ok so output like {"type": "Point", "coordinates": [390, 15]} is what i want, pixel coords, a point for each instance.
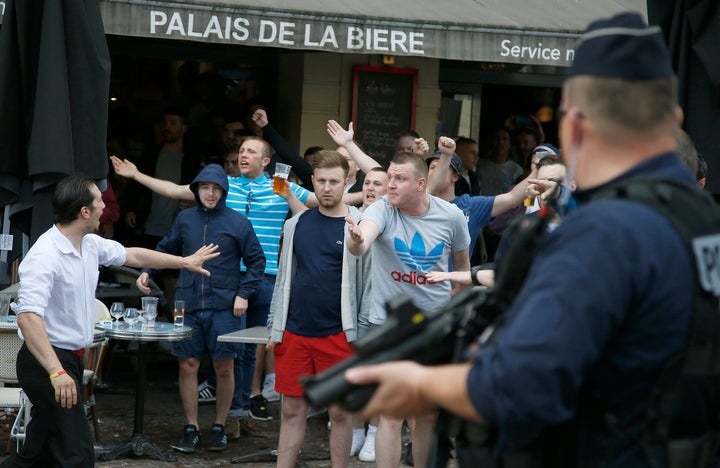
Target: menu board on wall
{"type": "Point", "coordinates": [383, 106]}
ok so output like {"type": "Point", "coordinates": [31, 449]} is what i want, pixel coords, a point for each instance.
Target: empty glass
{"type": "Point", "coordinates": [117, 309]}
{"type": "Point", "coordinates": [149, 305]}
{"type": "Point", "coordinates": [131, 317]}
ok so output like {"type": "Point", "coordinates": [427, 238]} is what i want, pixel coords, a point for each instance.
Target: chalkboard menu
{"type": "Point", "coordinates": [383, 106]}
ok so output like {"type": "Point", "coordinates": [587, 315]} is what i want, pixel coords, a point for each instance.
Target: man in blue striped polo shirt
{"type": "Point", "coordinates": [251, 195]}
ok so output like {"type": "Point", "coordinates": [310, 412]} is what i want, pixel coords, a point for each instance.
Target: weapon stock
{"type": "Point", "coordinates": [408, 333]}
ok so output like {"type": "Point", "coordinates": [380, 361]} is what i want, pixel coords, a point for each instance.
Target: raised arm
{"type": "Point", "coordinates": [125, 168]}
{"type": "Point", "coordinates": [287, 153]}
{"type": "Point", "coordinates": [447, 148]}
{"type": "Point", "coordinates": [344, 138]}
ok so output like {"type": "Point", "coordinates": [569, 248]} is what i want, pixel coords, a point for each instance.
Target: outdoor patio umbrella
{"type": "Point", "coordinates": [692, 31]}
{"type": "Point", "coordinates": [54, 87]}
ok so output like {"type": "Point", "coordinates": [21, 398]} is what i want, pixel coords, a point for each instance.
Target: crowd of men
{"type": "Point", "coordinates": [606, 304]}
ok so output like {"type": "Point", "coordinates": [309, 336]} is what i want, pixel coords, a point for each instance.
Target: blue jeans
{"type": "Point", "coordinates": [257, 314]}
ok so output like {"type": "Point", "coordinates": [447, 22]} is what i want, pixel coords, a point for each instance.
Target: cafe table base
{"type": "Point", "coordinates": [137, 443]}
{"type": "Point", "coordinates": [139, 446]}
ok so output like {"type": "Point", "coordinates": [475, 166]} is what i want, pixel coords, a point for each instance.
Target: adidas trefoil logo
{"type": "Point", "coordinates": [416, 257]}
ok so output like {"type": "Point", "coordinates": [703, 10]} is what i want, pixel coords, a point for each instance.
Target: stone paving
{"type": "Point", "coordinates": [164, 420]}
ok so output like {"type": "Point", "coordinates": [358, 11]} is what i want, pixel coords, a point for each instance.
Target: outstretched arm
{"type": "Point", "coordinates": [509, 200]}
{"type": "Point", "coordinates": [139, 257]}
{"type": "Point", "coordinates": [361, 236]}
{"type": "Point", "coordinates": [125, 168]}
{"type": "Point", "coordinates": [344, 138]}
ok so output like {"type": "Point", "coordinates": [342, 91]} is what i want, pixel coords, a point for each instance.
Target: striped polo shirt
{"type": "Point", "coordinates": [266, 211]}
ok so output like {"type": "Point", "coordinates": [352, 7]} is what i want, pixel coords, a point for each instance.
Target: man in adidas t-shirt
{"type": "Point", "coordinates": [413, 233]}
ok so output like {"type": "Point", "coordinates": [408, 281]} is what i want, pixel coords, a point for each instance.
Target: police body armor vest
{"type": "Point", "coordinates": [681, 429]}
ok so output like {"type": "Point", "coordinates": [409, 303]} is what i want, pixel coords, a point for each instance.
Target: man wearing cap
{"type": "Point", "coordinates": [477, 209]}
{"type": "Point", "coordinates": [608, 299]}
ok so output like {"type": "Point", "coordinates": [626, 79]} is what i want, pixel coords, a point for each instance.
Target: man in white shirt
{"type": "Point", "coordinates": [56, 317]}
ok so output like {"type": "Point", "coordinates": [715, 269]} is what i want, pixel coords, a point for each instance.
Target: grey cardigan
{"type": "Point", "coordinates": [354, 283]}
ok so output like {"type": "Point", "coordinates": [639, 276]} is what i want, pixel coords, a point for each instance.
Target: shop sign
{"type": "Point", "coordinates": [224, 23]}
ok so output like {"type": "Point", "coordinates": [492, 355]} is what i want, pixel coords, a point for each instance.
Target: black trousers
{"type": "Point", "coordinates": [56, 436]}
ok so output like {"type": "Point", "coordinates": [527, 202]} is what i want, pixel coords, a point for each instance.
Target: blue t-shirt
{"type": "Point", "coordinates": [606, 303]}
{"type": "Point", "coordinates": [315, 293]}
{"type": "Point", "coordinates": [477, 212]}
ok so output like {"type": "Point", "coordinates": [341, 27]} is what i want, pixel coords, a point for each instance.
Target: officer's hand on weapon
{"type": "Point", "coordinates": [398, 394]}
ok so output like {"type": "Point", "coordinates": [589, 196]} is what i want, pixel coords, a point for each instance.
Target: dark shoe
{"type": "Point", "coordinates": [232, 427]}
{"type": "Point", "coordinates": [251, 428]}
{"type": "Point", "coordinates": [190, 441]}
{"type": "Point", "coordinates": [206, 393]}
{"type": "Point", "coordinates": [259, 408]}
{"type": "Point", "coordinates": [409, 456]}
{"type": "Point", "coordinates": [218, 439]}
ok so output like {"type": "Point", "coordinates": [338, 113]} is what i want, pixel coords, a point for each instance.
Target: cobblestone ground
{"type": "Point", "coordinates": [164, 420]}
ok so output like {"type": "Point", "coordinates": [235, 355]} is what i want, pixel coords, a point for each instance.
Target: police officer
{"type": "Point", "coordinates": [608, 299]}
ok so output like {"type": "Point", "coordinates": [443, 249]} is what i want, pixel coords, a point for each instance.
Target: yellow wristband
{"type": "Point", "coordinates": [57, 374]}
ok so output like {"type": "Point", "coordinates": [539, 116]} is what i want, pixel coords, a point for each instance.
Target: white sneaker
{"type": "Point", "coordinates": [358, 439]}
{"type": "Point", "coordinates": [270, 394]}
{"type": "Point", "coordinates": [268, 390]}
{"type": "Point", "coordinates": [367, 452]}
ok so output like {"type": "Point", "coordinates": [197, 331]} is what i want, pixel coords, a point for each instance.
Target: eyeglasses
{"type": "Point", "coordinates": [247, 204]}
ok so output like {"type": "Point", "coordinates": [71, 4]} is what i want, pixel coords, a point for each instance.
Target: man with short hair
{"type": "Point", "coordinates": [374, 186]}
{"type": "Point", "coordinates": [56, 317]}
{"type": "Point", "coordinates": [251, 195]}
{"type": "Point", "coordinates": [311, 332]}
{"type": "Point", "coordinates": [469, 153]}
{"type": "Point", "coordinates": [214, 307]}
{"type": "Point", "coordinates": [411, 234]}
{"type": "Point", "coordinates": [607, 303]}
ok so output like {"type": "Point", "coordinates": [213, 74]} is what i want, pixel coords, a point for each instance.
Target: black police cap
{"type": "Point", "coordinates": [623, 46]}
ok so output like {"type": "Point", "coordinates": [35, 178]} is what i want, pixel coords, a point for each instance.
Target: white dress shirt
{"type": "Point", "coordinates": [58, 284]}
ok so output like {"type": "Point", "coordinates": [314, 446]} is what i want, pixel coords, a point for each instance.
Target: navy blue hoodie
{"type": "Point", "coordinates": [232, 232]}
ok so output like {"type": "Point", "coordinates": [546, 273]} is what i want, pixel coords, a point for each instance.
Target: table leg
{"type": "Point", "coordinates": [138, 444]}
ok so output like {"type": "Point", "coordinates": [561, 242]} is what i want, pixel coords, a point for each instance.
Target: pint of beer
{"type": "Point", "coordinates": [282, 171]}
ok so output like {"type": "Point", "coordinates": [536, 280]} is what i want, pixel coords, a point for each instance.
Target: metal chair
{"type": "Point", "coordinates": [94, 356]}
{"type": "Point", "coordinates": [13, 398]}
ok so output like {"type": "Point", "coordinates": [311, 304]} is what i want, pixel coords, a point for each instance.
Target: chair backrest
{"type": "Point", "coordinates": [10, 344]}
{"type": "Point", "coordinates": [101, 311]}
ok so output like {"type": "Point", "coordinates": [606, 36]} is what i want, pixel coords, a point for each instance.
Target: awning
{"type": "Point", "coordinates": [541, 32]}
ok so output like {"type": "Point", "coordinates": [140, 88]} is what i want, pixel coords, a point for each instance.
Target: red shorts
{"type": "Point", "coordinates": [298, 356]}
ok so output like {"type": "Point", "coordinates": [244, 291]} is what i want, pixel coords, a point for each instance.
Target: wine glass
{"type": "Point", "coordinates": [117, 309]}
{"type": "Point", "coordinates": [131, 316]}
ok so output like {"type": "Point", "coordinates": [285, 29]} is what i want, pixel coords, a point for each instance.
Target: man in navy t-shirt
{"type": "Point", "coordinates": [314, 309]}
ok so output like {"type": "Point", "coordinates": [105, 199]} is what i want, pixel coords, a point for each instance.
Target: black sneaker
{"type": "Point", "coordinates": [190, 441]}
{"type": "Point", "coordinates": [206, 393]}
{"type": "Point", "coordinates": [259, 409]}
{"type": "Point", "coordinates": [218, 439]}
